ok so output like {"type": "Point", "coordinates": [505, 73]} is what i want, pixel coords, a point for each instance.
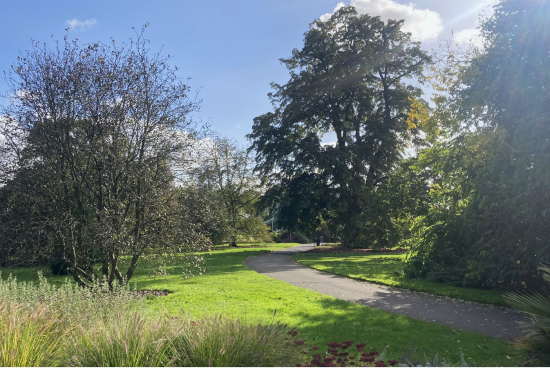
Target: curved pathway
{"type": "Point", "coordinates": [497, 322]}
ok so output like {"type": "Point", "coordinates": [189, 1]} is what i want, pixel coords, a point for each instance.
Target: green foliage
{"type": "Point", "coordinates": [388, 269]}
{"type": "Point", "coordinates": [221, 342]}
{"type": "Point", "coordinates": [348, 79]}
{"type": "Point", "coordinates": [487, 222]}
{"type": "Point", "coordinates": [125, 341]}
{"type": "Point", "coordinates": [95, 144]}
{"type": "Point", "coordinates": [68, 301]}
{"type": "Point", "coordinates": [224, 182]}
{"type": "Point", "coordinates": [343, 355]}
{"type": "Point", "coordinates": [29, 337]}
{"type": "Point", "coordinates": [42, 325]}
{"type": "Point", "coordinates": [227, 287]}
{"type": "Point", "coordinates": [537, 339]}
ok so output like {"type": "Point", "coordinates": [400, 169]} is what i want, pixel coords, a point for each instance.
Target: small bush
{"type": "Point", "coordinates": [222, 342]}
{"type": "Point", "coordinates": [68, 302]}
{"type": "Point", "coordinates": [72, 326]}
{"type": "Point", "coordinates": [537, 339]}
{"type": "Point", "coordinates": [348, 354]}
{"type": "Point", "coordinates": [59, 268]}
{"type": "Point", "coordinates": [125, 341]}
{"type": "Point", "coordinates": [29, 338]}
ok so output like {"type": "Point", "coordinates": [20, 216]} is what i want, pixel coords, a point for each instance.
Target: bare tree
{"type": "Point", "coordinates": [102, 127]}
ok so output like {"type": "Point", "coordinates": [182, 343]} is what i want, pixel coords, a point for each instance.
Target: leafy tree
{"type": "Point", "coordinates": [348, 80]}
{"type": "Point", "coordinates": [537, 305]}
{"type": "Point", "coordinates": [102, 129]}
{"type": "Point", "coordinates": [225, 175]}
{"type": "Point", "coordinates": [488, 221]}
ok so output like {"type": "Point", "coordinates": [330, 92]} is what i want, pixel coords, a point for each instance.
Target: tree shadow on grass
{"type": "Point", "coordinates": [344, 321]}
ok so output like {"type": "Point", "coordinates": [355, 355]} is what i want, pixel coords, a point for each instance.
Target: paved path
{"type": "Point", "coordinates": [498, 322]}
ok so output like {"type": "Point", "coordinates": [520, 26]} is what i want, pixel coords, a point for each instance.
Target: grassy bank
{"type": "Point", "coordinates": [387, 269]}
{"type": "Point", "coordinates": [230, 288]}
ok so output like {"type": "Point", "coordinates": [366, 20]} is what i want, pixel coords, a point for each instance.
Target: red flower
{"type": "Point", "coordinates": [366, 359]}
{"type": "Point", "coordinates": [335, 344]}
{"type": "Point", "coordinates": [393, 362]}
{"type": "Point", "coordinates": [374, 353]}
{"type": "Point", "coordinates": [343, 354]}
{"type": "Point", "coordinates": [314, 347]}
{"type": "Point", "coordinates": [380, 363]}
{"type": "Point", "coordinates": [332, 351]}
{"type": "Point", "coordinates": [299, 342]}
{"type": "Point", "coordinates": [315, 362]}
{"type": "Point", "coordinates": [351, 357]}
{"type": "Point", "coordinates": [329, 359]}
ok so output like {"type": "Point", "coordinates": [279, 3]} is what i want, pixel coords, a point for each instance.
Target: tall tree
{"type": "Point", "coordinates": [102, 127]}
{"type": "Point", "coordinates": [347, 80]}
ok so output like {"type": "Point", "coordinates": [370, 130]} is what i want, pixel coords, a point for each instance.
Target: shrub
{"type": "Point", "coordinates": [341, 355]}
{"type": "Point", "coordinates": [72, 326]}
{"type": "Point", "coordinates": [221, 342]}
{"type": "Point", "coordinates": [537, 339]}
{"type": "Point", "coordinates": [69, 302]}
{"type": "Point", "coordinates": [125, 341]}
{"type": "Point", "coordinates": [59, 268]}
{"type": "Point", "coordinates": [29, 338]}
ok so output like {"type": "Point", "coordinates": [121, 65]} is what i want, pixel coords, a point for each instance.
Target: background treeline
{"type": "Point", "coordinates": [472, 202]}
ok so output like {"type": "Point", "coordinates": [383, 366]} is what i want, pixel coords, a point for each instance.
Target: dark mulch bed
{"type": "Point", "coordinates": [238, 246]}
{"type": "Point", "coordinates": [145, 293]}
{"type": "Point", "coordinates": [339, 249]}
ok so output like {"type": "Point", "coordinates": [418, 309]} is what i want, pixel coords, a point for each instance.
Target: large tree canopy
{"type": "Point", "coordinates": [348, 80]}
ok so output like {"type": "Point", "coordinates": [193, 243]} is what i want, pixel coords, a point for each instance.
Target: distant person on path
{"type": "Point", "coordinates": [317, 241]}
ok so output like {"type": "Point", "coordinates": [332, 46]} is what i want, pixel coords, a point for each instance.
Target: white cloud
{"type": "Point", "coordinates": [82, 25]}
{"type": "Point", "coordinates": [326, 16]}
{"type": "Point", "coordinates": [468, 36]}
{"type": "Point", "coordinates": [424, 24]}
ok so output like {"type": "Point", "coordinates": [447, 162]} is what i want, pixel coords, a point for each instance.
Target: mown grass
{"type": "Point", "coordinates": [387, 269]}
{"type": "Point", "coordinates": [230, 288]}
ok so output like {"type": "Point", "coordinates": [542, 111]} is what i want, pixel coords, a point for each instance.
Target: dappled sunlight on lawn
{"type": "Point", "coordinates": [229, 288]}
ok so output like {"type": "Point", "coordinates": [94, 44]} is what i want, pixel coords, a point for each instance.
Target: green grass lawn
{"type": "Point", "coordinates": [230, 288]}
{"type": "Point", "coordinates": [386, 269]}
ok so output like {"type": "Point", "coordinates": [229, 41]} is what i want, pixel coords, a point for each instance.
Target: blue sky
{"type": "Point", "coordinates": [230, 49]}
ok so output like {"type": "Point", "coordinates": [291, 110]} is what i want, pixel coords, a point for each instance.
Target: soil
{"type": "Point", "coordinates": [238, 246]}
{"type": "Point", "coordinates": [145, 293]}
{"type": "Point", "coordinates": [340, 249]}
